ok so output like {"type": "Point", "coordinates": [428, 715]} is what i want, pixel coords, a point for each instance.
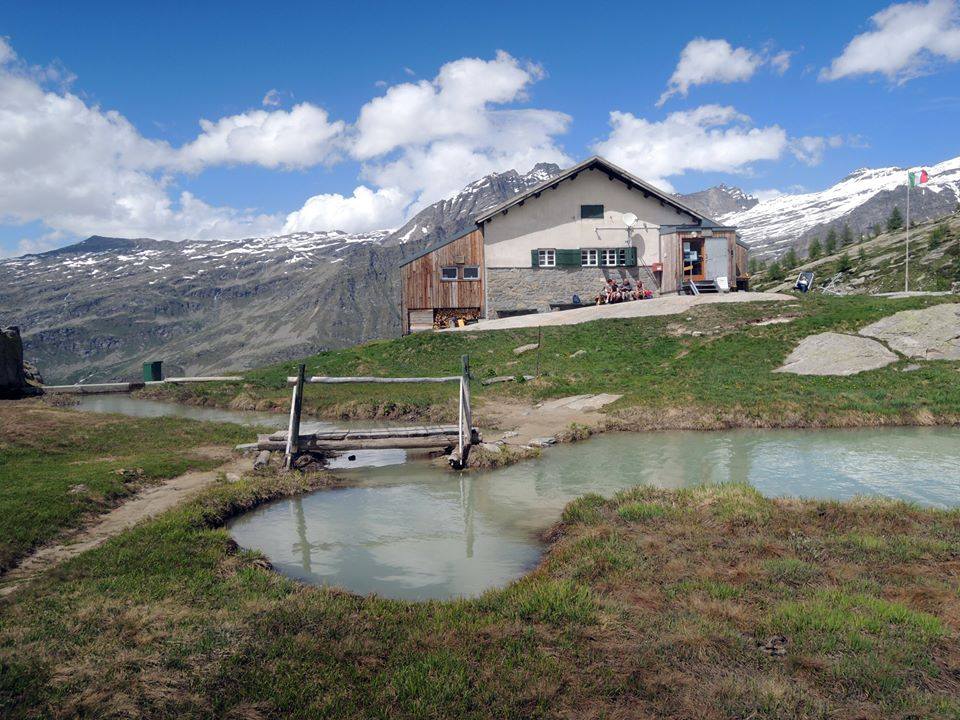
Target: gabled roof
{"type": "Point", "coordinates": [611, 170]}
{"type": "Point", "coordinates": [438, 245]}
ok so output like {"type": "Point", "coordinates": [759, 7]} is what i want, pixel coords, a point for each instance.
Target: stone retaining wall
{"type": "Point", "coordinates": [535, 288]}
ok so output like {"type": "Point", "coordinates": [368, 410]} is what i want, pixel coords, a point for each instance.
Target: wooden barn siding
{"type": "Point", "coordinates": [422, 288]}
{"type": "Point", "coordinates": [670, 257]}
{"type": "Point", "coordinates": [742, 258]}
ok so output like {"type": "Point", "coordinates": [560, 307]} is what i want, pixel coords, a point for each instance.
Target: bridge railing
{"type": "Point", "coordinates": [465, 434]}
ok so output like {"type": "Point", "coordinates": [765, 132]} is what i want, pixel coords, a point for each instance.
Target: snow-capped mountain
{"type": "Point", "coordinates": [861, 200]}
{"type": "Point", "coordinates": [96, 309]}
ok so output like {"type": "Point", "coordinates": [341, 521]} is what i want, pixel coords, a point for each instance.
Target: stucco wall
{"type": "Point", "coordinates": [523, 288]}
{"type": "Point", "coordinates": [553, 221]}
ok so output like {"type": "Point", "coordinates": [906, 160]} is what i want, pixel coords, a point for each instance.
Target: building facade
{"type": "Point", "coordinates": [559, 242]}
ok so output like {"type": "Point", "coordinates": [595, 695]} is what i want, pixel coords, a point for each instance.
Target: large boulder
{"type": "Point", "coordinates": [13, 378]}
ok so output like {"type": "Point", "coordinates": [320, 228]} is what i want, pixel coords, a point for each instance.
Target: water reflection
{"type": "Point", "coordinates": [417, 531]}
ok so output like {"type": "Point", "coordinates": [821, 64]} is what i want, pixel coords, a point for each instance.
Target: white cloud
{"type": "Point", "coordinates": [82, 170]}
{"type": "Point", "coordinates": [780, 62]}
{"type": "Point", "coordinates": [707, 138]}
{"type": "Point", "coordinates": [271, 99]}
{"type": "Point", "coordinates": [906, 38]}
{"type": "Point", "coordinates": [767, 194]}
{"type": "Point", "coordinates": [366, 209]}
{"type": "Point", "coordinates": [302, 137]}
{"type": "Point", "coordinates": [6, 52]}
{"type": "Point", "coordinates": [809, 149]}
{"type": "Point", "coordinates": [704, 61]}
{"type": "Point", "coordinates": [423, 141]}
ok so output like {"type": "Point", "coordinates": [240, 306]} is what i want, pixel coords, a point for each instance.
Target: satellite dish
{"type": "Point", "coordinates": [629, 219]}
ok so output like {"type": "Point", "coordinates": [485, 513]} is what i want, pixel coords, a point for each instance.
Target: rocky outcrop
{"type": "Point", "coordinates": [932, 333]}
{"type": "Point", "coordinates": [836, 354]}
{"type": "Point", "coordinates": [14, 383]}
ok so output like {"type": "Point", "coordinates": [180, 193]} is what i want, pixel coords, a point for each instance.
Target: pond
{"type": "Point", "coordinates": [419, 532]}
{"type": "Point", "coordinates": [407, 529]}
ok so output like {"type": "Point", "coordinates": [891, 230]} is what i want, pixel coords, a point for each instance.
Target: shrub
{"type": "Point", "coordinates": [815, 250]}
{"type": "Point", "coordinates": [895, 221]}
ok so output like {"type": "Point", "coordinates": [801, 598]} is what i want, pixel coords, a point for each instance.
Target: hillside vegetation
{"type": "Point", "coordinates": [877, 264]}
{"type": "Point", "coordinates": [710, 368]}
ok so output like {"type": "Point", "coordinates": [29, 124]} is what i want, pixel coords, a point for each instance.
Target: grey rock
{"type": "Point", "coordinates": [262, 460]}
{"type": "Point", "coordinates": [543, 441]}
{"type": "Point", "coordinates": [931, 333]}
{"type": "Point", "coordinates": [578, 353]}
{"type": "Point", "coordinates": [77, 489]}
{"type": "Point", "coordinates": [836, 354]}
{"type": "Point", "coordinates": [497, 379]}
{"type": "Point", "coordinates": [525, 348]}
{"type": "Point", "coordinates": [491, 447]}
{"type": "Point", "coordinates": [13, 376]}
{"type": "Point", "coordinates": [510, 434]}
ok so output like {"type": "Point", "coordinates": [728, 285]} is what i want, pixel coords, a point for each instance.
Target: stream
{"type": "Point", "coordinates": [408, 529]}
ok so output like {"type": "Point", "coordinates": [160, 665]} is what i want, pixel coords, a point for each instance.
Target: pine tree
{"type": "Point", "coordinates": [815, 250]}
{"type": "Point", "coordinates": [775, 272]}
{"type": "Point", "coordinates": [790, 259]}
{"type": "Point", "coordinates": [895, 221]}
{"type": "Point", "coordinates": [846, 236]}
{"type": "Point", "coordinates": [844, 264]}
{"type": "Point", "coordinates": [753, 266]}
{"type": "Point", "coordinates": [862, 258]}
{"type": "Point", "coordinates": [830, 246]}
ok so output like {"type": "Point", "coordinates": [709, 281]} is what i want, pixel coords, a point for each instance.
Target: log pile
{"type": "Point", "coordinates": [443, 316]}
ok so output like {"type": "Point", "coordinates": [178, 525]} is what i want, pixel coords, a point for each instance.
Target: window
{"type": "Point", "coordinates": [588, 258]}
{"type": "Point", "coordinates": [471, 272]}
{"type": "Point", "coordinates": [591, 212]}
{"type": "Point", "coordinates": [611, 257]}
{"type": "Point", "coordinates": [546, 258]}
{"type": "Point", "coordinates": [448, 273]}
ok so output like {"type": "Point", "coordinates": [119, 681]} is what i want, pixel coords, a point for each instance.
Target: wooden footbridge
{"type": "Point", "coordinates": [455, 438]}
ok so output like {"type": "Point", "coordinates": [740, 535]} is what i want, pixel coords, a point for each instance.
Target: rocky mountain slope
{"type": "Point", "coordinates": [863, 199]}
{"type": "Point", "coordinates": [719, 201]}
{"type": "Point", "coordinates": [97, 309]}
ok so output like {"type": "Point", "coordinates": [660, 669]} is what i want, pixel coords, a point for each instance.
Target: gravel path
{"type": "Point", "coordinates": [666, 305]}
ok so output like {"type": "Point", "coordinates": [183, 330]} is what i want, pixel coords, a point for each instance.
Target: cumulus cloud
{"type": "Point", "coordinates": [705, 61]}
{"type": "Point", "coordinates": [272, 98]}
{"type": "Point", "coordinates": [366, 209]}
{"type": "Point", "coordinates": [302, 137]}
{"type": "Point", "coordinates": [80, 170]}
{"type": "Point", "coordinates": [905, 40]}
{"type": "Point", "coordinates": [707, 138]}
{"type": "Point", "coordinates": [424, 141]}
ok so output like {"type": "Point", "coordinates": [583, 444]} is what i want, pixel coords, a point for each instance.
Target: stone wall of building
{"type": "Point", "coordinates": [535, 288]}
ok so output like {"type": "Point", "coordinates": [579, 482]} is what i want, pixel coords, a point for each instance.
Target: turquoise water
{"type": "Point", "coordinates": [415, 531]}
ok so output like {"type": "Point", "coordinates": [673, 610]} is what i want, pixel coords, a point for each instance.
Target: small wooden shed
{"type": "Point", "coordinates": [443, 282]}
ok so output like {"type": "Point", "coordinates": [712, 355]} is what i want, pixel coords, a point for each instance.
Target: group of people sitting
{"type": "Point", "coordinates": [614, 292]}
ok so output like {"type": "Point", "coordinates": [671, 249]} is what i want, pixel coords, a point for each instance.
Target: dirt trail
{"type": "Point", "coordinates": [147, 503]}
{"type": "Point", "coordinates": [545, 419]}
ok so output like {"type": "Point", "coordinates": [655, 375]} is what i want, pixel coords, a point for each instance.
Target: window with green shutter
{"type": "Point", "coordinates": [631, 257]}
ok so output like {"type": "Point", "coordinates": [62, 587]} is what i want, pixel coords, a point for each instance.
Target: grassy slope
{"type": "Point", "coordinates": [934, 248]}
{"type": "Point", "coordinates": [656, 603]}
{"type": "Point", "coordinates": [708, 368]}
{"type": "Point", "coordinates": [46, 451]}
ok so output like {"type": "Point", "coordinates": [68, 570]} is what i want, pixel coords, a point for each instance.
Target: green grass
{"type": "Point", "coordinates": [169, 620]}
{"type": "Point", "coordinates": [706, 369]}
{"type": "Point", "coordinates": [56, 466]}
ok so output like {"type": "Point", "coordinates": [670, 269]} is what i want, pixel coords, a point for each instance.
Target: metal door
{"type": "Point", "coordinates": [718, 258]}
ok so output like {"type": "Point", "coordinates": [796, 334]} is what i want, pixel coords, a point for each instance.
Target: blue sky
{"type": "Point", "coordinates": [103, 103]}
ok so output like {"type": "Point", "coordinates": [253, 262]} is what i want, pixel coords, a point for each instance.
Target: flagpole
{"type": "Point", "coordinates": [906, 270]}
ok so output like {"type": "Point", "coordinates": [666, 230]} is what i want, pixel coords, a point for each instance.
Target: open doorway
{"type": "Point", "coordinates": [693, 260]}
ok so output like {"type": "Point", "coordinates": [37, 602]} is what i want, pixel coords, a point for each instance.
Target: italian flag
{"type": "Point", "coordinates": [918, 178]}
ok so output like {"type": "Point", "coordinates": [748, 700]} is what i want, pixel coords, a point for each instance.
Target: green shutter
{"type": "Point", "coordinates": [568, 258]}
{"type": "Point", "coordinates": [534, 258]}
{"type": "Point", "coordinates": [631, 257]}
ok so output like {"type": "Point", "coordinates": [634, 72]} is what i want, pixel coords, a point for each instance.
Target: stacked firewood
{"type": "Point", "coordinates": [443, 316]}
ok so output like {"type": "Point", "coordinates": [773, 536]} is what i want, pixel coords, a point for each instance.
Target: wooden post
{"type": "Point", "coordinates": [466, 416]}
{"type": "Point", "coordinates": [293, 431]}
